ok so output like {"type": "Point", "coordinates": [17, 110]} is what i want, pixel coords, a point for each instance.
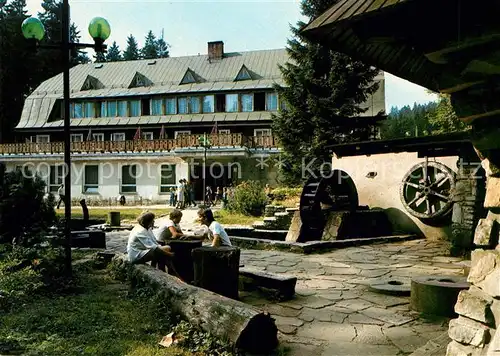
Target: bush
{"type": "Point", "coordinates": [249, 199]}
{"type": "Point", "coordinates": [24, 209]}
{"type": "Point", "coordinates": [280, 194]}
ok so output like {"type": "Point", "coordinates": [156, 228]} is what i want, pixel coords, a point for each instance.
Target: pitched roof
{"type": "Point", "coordinates": [167, 72]}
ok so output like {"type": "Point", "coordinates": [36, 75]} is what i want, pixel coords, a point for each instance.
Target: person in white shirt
{"type": "Point", "coordinates": [142, 246]}
{"type": "Point", "coordinates": [180, 194]}
{"type": "Point", "coordinates": [216, 232]}
{"type": "Point", "coordinates": [171, 230]}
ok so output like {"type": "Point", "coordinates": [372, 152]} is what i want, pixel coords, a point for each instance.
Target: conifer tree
{"type": "Point", "coordinates": [132, 51]}
{"type": "Point", "coordinates": [321, 88]}
{"type": "Point", "coordinates": [114, 53]}
{"type": "Point", "coordinates": [150, 51]}
{"type": "Point", "coordinates": [162, 47]}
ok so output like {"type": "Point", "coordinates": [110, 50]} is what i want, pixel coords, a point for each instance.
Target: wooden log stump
{"type": "Point", "coordinates": [246, 327]}
{"type": "Point", "coordinates": [85, 211]}
{"type": "Point", "coordinates": [217, 269]}
{"type": "Point", "coordinates": [183, 260]}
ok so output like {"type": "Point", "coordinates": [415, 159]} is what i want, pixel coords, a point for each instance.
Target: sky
{"type": "Point", "coordinates": [188, 25]}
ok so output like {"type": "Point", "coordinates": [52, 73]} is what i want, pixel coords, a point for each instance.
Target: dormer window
{"type": "Point", "coordinates": [91, 83]}
{"type": "Point", "coordinates": [189, 77]}
{"type": "Point", "coordinates": [139, 80]}
{"type": "Point", "coordinates": [243, 74]}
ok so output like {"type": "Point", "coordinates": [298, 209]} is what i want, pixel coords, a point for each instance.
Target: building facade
{"type": "Point", "coordinates": [138, 127]}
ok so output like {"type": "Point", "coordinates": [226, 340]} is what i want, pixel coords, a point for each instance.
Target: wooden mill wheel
{"type": "Point", "coordinates": [426, 190]}
{"type": "Point", "coordinates": [334, 191]}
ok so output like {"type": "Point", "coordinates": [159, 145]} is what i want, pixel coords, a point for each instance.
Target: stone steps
{"type": "Point", "coordinates": [275, 218]}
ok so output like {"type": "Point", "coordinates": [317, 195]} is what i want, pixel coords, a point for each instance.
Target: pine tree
{"type": "Point", "coordinates": [114, 53]}
{"type": "Point", "coordinates": [132, 51]}
{"type": "Point", "coordinates": [322, 88]}
{"type": "Point", "coordinates": [99, 57]}
{"type": "Point", "coordinates": [149, 51]}
{"type": "Point", "coordinates": [162, 47]}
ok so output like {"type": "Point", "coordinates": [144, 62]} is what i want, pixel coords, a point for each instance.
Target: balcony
{"type": "Point", "coordinates": [183, 141]}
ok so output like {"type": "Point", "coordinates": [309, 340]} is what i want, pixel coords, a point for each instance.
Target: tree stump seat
{"type": "Point", "coordinates": [282, 287]}
{"type": "Point", "coordinates": [183, 260]}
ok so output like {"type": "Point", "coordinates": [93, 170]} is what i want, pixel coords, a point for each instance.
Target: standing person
{"type": "Point", "coordinates": [193, 200]}
{"type": "Point", "coordinates": [208, 195]}
{"type": "Point", "coordinates": [172, 196]}
{"type": "Point", "coordinates": [218, 195]}
{"type": "Point", "coordinates": [61, 194]}
{"type": "Point", "coordinates": [142, 246]}
{"type": "Point", "coordinates": [187, 193]}
{"type": "Point", "coordinates": [224, 198]}
{"type": "Point", "coordinates": [216, 232]}
{"type": "Point", "coordinates": [180, 195]}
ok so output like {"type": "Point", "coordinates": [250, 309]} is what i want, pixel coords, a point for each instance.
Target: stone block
{"type": "Point", "coordinates": [475, 304]}
{"type": "Point", "coordinates": [485, 271]}
{"type": "Point", "coordinates": [490, 169]}
{"type": "Point", "coordinates": [468, 332]}
{"type": "Point", "coordinates": [492, 198]}
{"type": "Point", "coordinates": [495, 311]}
{"type": "Point", "coordinates": [294, 230]}
{"type": "Point", "coordinates": [457, 349]}
{"type": "Point", "coordinates": [486, 233]}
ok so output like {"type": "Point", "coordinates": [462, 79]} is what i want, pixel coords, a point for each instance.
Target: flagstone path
{"type": "Point", "coordinates": [333, 312]}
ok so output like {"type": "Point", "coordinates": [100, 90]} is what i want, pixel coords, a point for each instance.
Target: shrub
{"type": "Point", "coordinates": [24, 209]}
{"type": "Point", "coordinates": [283, 193]}
{"type": "Point", "coordinates": [249, 199]}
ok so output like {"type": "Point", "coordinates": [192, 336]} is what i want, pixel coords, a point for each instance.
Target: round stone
{"type": "Point", "coordinates": [392, 286]}
{"type": "Point", "coordinates": [436, 295]}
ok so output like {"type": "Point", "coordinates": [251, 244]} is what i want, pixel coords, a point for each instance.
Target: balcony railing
{"type": "Point", "coordinates": [183, 141]}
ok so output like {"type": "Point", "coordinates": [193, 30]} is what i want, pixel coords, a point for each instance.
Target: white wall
{"type": "Point", "coordinates": [382, 191]}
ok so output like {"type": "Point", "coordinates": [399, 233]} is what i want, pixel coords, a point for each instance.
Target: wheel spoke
{"type": "Point", "coordinates": [439, 182]}
{"type": "Point", "coordinates": [417, 197]}
{"type": "Point", "coordinates": [428, 204]}
{"type": "Point", "coordinates": [424, 169]}
{"type": "Point", "coordinates": [414, 185]}
{"type": "Point", "coordinates": [439, 195]}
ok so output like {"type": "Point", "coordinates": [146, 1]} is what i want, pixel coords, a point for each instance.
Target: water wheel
{"type": "Point", "coordinates": [321, 194]}
{"type": "Point", "coordinates": [426, 190]}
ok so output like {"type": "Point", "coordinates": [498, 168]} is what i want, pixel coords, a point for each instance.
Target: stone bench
{"type": "Point", "coordinates": [281, 286]}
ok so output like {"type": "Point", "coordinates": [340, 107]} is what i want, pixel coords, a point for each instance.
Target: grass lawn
{"type": "Point", "coordinates": [97, 318]}
{"type": "Point", "coordinates": [229, 218]}
{"type": "Point", "coordinates": [102, 214]}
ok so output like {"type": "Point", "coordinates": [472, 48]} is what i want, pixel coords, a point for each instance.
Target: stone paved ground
{"type": "Point", "coordinates": [333, 312]}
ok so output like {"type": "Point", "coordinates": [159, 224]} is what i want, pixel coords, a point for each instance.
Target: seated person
{"type": "Point", "coordinates": [216, 232]}
{"type": "Point", "coordinates": [142, 246]}
{"type": "Point", "coordinates": [171, 230]}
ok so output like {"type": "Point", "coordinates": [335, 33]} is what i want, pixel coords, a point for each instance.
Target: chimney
{"type": "Point", "coordinates": [215, 50]}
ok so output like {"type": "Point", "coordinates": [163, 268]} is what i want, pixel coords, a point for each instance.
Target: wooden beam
{"type": "Point", "coordinates": [465, 50]}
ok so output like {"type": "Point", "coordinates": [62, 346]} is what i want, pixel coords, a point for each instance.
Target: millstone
{"type": "Point", "coordinates": [392, 286]}
{"type": "Point", "coordinates": [436, 295]}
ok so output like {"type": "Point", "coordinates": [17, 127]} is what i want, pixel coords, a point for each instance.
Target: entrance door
{"type": "Point", "coordinates": [217, 175]}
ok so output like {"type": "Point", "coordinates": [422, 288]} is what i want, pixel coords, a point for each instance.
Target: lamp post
{"type": "Point", "coordinates": [205, 143]}
{"type": "Point", "coordinates": [34, 31]}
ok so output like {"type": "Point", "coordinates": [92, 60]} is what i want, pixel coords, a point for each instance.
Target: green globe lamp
{"type": "Point", "coordinates": [100, 31]}
{"type": "Point", "coordinates": [33, 29]}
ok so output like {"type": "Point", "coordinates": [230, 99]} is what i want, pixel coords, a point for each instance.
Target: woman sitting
{"type": "Point", "coordinates": [216, 232]}
{"type": "Point", "coordinates": [142, 246]}
{"type": "Point", "coordinates": [171, 230]}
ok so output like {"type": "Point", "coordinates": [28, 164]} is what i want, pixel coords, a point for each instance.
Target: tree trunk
{"type": "Point", "coordinates": [244, 326]}
{"type": "Point", "coordinates": [183, 260]}
{"type": "Point", "coordinates": [217, 269]}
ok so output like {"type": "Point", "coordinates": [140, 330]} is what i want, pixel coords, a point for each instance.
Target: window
{"type": "Point", "coordinates": [177, 133]}
{"type": "Point", "coordinates": [157, 107]}
{"type": "Point", "coordinates": [259, 101]}
{"type": "Point", "coordinates": [171, 106]}
{"type": "Point", "coordinates": [76, 110]}
{"type": "Point", "coordinates": [225, 131]}
{"type": "Point", "coordinates": [167, 178]}
{"type": "Point", "coordinates": [91, 179]}
{"type": "Point", "coordinates": [262, 132]}
{"type": "Point", "coordinates": [76, 137]}
{"type": "Point", "coordinates": [118, 136]}
{"type": "Point", "coordinates": [147, 136]}
{"type": "Point", "coordinates": [183, 106]}
{"type": "Point", "coordinates": [271, 101]}
{"type": "Point", "coordinates": [42, 139]}
{"type": "Point", "coordinates": [231, 102]}
{"type": "Point", "coordinates": [122, 109]}
{"type": "Point", "coordinates": [98, 136]}
{"type": "Point", "coordinates": [247, 102]}
{"type": "Point", "coordinates": [56, 177]}
{"type": "Point", "coordinates": [109, 109]}
{"type": "Point", "coordinates": [129, 178]}
{"type": "Point", "coordinates": [208, 103]}
{"type": "Point", "coordinates": [194, 104]}
{"type": "Point", "coordinates": [89, 109]}
{"type": "Point", "coordinates": [135, 108]}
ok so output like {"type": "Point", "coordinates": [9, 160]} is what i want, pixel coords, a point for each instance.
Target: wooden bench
{"type": "Point", "coordinates": [282, 287]}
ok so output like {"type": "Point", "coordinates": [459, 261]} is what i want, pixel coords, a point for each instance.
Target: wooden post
{"type": "Point", "coordinates": [183, 260]}
{"type": "Point", "coordinates": [83, 203]}
{"type": "Point", "coordinates": [217, 269]}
